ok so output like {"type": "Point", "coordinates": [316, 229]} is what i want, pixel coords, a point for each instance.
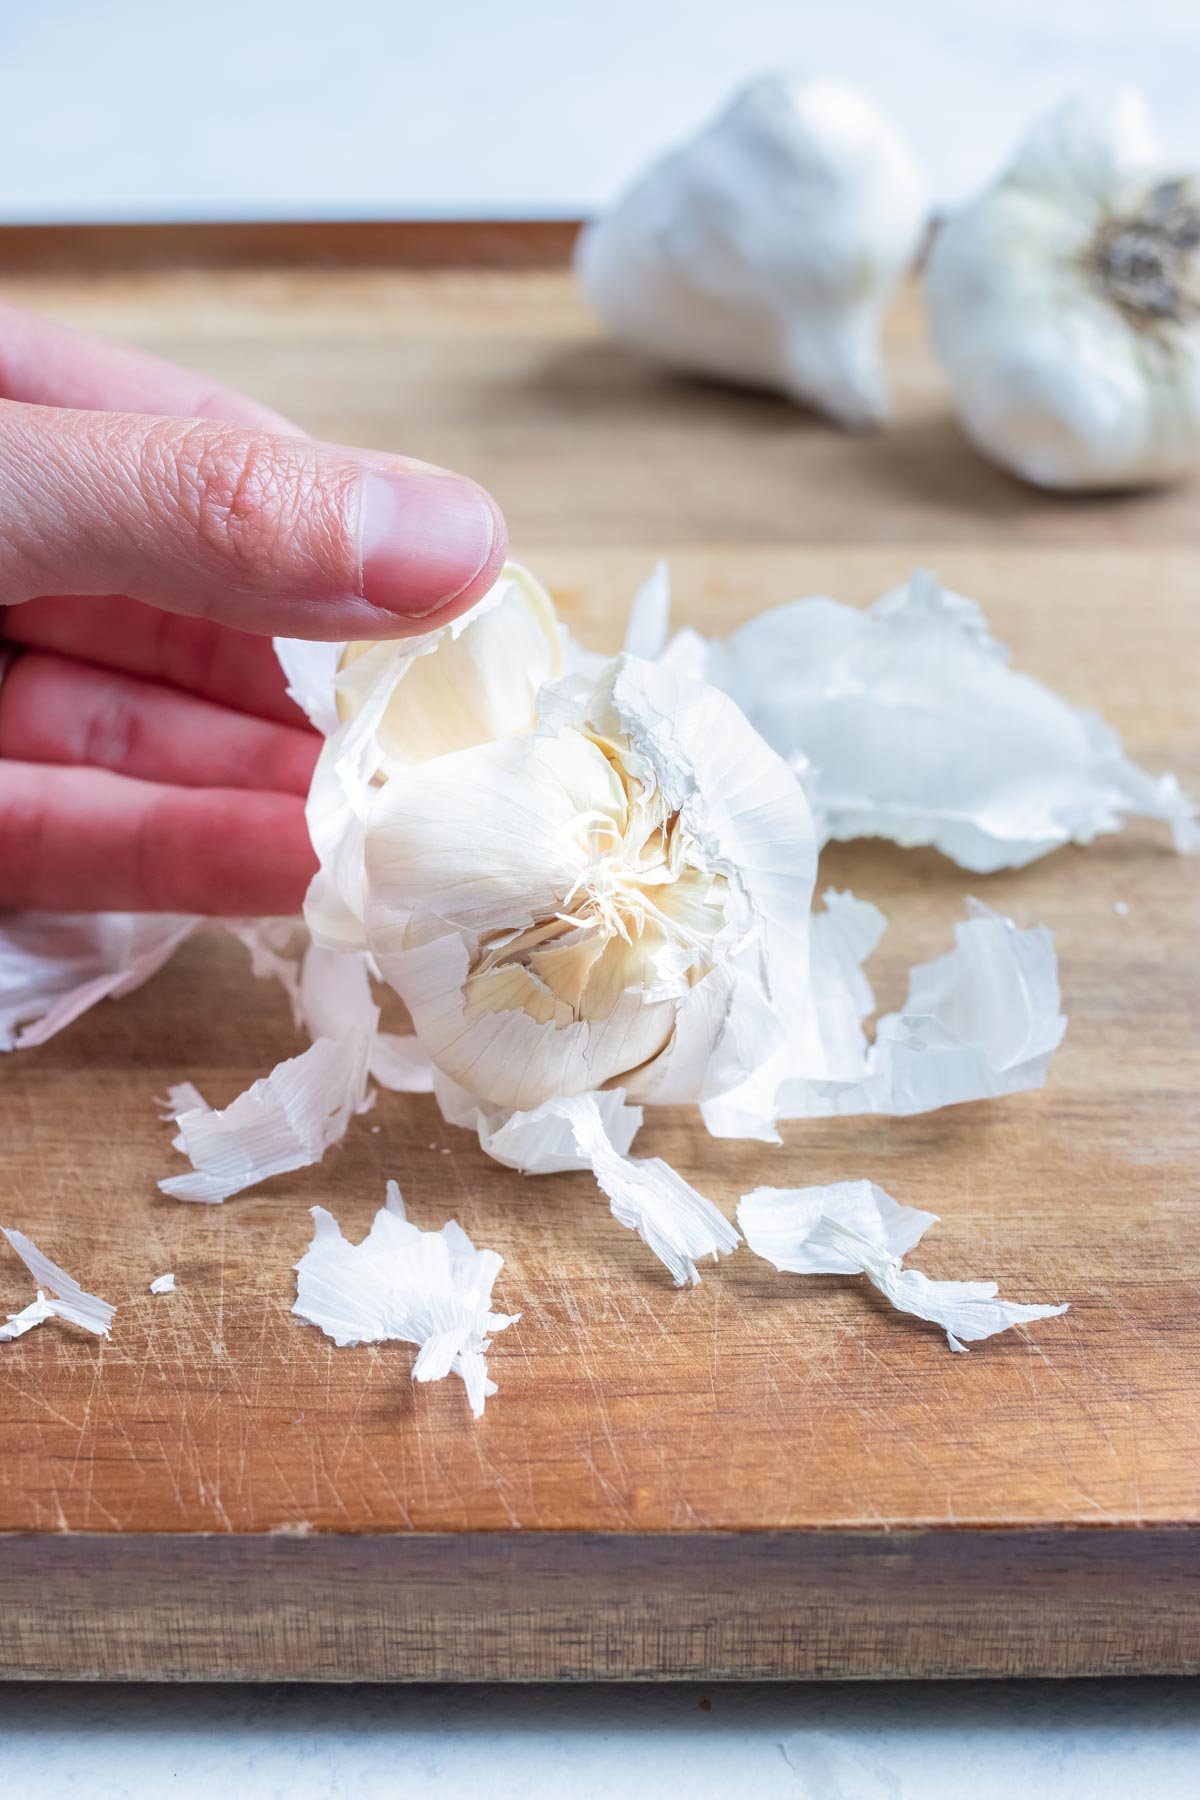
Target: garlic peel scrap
{"type": "Point", "coordinates": [647, 1196]}
{"type": "Point", "coordinates": [767, 248]}
{"type": "Point", "coordinates": [541, 1142]}
{"type": "Point", "coordinates": [980, 1022]}
{"type": "Point", "coordinates": [68, 1300]}
{"type": "Point", "coordinates": [287, 1120]}
{"type": "Point", "coordinates": [163, 1284]}
{"type": "Point", "coordinates": [904, 721]}
{"type": "Point", "coordinates": [428, 1288]}
{"type": "Point", "coordinates": [36, 1313]}
{"type": "Point", "coordinates": [855, 1228]}
{"type": "Point", "coordinates": [593, 1132]}
{"type": "Point", "coordinates": [54, 966]}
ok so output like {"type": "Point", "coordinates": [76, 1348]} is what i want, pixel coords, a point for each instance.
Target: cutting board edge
{"type": "Point", "coordinates": [513, 1607]}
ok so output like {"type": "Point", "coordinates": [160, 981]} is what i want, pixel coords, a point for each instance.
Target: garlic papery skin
{"type": "Point", "coordinates": [619, 898]}
{"type": "Point", "coordinates": [767, 249]}
{"type": "Point", "coordinates": [1064, 305]}
{"type": "Point", "coordinates": [390, 706]}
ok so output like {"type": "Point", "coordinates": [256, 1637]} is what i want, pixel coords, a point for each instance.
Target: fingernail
{"type": "Point", "coordinates": [423, 538]}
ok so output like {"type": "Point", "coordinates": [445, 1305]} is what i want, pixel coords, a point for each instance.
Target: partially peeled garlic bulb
{"type": "Point", "coordinates": [572, 879]}
{"type": "Point", "coordinates": [767, 249]}
{"type": "Point", "coordinates": [1064, 305]}
{"type": "Point", "coordinates": [592, 903]}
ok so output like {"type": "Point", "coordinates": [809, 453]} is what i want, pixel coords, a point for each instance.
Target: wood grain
{"type": "Point", "coordinates": [84, 250]}
{"type": "Point", "coordinates": [763, 1475]}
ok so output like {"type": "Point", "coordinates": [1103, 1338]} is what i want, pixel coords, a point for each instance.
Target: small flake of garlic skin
{"type": "Point", "coordinates": [54, 966]}
{"type": "Point", "coordinates": [428, 1288]}
{"type": "Point", "coordinates": [855, 1228]}
{"type": "Point", "coordinates": [767, 248]}
{"type": "Point", "coordinates": [67, 1299]}
{"type": "Point", "coordinates": [286, 1120]}
{"type": "Point", "coordinates": [163, 1284]}
{"type": "Point", "coordinates": [1064, 305]}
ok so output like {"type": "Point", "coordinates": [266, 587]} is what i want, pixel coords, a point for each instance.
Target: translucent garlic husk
{"type": "Point", "coordinates": [1064, 305]}
{"type": "Point", "coordinates": [767, 249]}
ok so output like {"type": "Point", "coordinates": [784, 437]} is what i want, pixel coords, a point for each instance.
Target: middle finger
{"type": "Point", "coordinates": [234, 668]}
{"type": "Point", "coordinates": [54, 709]}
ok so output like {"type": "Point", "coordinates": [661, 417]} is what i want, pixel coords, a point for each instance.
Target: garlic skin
{"type": "Point", "coordinates": [767, 248]}
{"type": "Point", "coordinates": [1064, 305]}
{"type": "Point", "coordinates": [620, 897]}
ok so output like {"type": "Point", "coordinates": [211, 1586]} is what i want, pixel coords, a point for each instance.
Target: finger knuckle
{"type": "Point", "coordinates": [113, 733]}
{"type": "Point", "coordinates": [242, 495]}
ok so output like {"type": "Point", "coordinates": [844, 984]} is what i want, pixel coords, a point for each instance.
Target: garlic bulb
{"type": "Point", "coordinates": [620, 896]}
{"type": "Point", "coordinates": [767, 248]}
{"type": "Point", "coordinates": [1064, 305]}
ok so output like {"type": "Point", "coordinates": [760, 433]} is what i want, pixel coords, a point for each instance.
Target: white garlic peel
{"type": "Point", "coordinates": [54, 966]}
{"type": "Point", "coordinates": [285, 1121]}
{"type": "Point", "coordinates": [978, 1023]}
{"type": "Point", "coordinates": [429, 1288]}
{"type": "Point", "coordinates": [904, 721]}
{"type": "Point", "coordinates": [855, 1228]}
{"type": "Point", "coordinates": [766, 249]}
{"type": "Point", "coordinates": [1064, 305]}
{"type": "Point", "coordinates": [67, 1299]}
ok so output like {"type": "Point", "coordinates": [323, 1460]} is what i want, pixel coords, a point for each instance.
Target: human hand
{"type": "Point", "coordinates": [154, 532]}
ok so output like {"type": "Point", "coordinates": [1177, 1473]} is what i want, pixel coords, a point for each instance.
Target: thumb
{"type": "Point", "coordinates": [267, 533]}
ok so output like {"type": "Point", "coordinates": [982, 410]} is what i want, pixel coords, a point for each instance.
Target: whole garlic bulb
{"type": "Point", "coordinates": [767, 248]}
{"type": "Point", "coordinates": [1064, 305]}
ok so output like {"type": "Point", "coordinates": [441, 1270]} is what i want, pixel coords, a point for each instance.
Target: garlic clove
{"type": "Point", "coordinates": [767, 249]}
{"type": "Point", "coordinates": [1064, 305]}
{"type": "Point", "coordinates": [388, 706]}
{"type": "Point", "coordinates": [479, 683]}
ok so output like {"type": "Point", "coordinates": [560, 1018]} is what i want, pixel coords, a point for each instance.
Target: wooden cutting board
{"type": "Point", "coordinates": [761, 1476]}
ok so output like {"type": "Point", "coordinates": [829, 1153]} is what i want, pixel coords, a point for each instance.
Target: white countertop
{"type": "Point", "coordinates": [1118, 1740]}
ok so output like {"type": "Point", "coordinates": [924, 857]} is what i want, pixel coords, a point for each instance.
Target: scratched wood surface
{"type": "Point", "coordinates": [716, 1474]}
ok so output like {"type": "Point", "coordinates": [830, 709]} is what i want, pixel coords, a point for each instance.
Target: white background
{"type": "Point", "coordinates": [129, 109]}
{"type": "Point", "coordinates": [123, 109]}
